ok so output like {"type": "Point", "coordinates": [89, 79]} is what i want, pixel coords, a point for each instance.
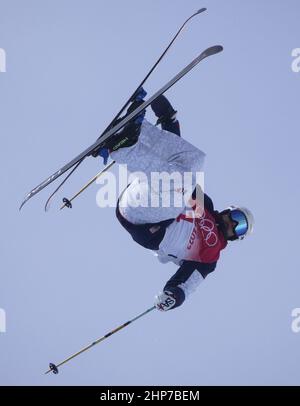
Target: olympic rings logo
{"type": "Point", "coordinates": [206, 227]}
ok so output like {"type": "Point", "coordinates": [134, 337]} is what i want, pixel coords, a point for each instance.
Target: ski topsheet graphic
{"type": "Point", "coordinates": [101, 140]}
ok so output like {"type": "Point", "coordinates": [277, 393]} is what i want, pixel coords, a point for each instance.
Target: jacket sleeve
{"type": "Point", "coordinates": [187, 278]}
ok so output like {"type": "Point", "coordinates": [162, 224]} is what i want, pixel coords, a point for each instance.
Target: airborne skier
{"type": "Point", "coordinates": [195, 242]}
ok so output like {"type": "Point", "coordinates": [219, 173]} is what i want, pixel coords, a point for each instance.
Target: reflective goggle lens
{"type": "Point", "coordinates": [240, 218]}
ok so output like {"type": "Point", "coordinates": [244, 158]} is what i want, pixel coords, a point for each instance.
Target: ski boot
{"type": "Point", "coordinates": [128, 135]}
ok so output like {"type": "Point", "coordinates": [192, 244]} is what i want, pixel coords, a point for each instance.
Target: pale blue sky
{"type": "Point", "coordinates": [69, 277]}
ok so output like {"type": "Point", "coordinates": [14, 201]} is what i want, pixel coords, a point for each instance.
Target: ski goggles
{"type": "Point", "coordinates": [240, 219]}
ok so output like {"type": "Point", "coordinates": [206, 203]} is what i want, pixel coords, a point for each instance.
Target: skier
{"type": "Point", "coordinates": [194, 242]}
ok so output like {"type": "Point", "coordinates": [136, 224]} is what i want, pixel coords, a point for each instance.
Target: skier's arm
{"type": "Point", "coordinates": [185, 281]}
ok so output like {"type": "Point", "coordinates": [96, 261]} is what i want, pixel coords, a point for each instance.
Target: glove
{"type": "Point", "coordinates": [137, 100]}
{"type": "Point", "coordinates": [139, 95]}
{"type": "Point", "coordinates": [165, 301]}
{"type": "Point", "coordinates": [104, 153]}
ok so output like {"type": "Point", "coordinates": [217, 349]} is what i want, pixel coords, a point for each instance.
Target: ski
{"type": "Point", "coordinates": [47, 204]}
{"type": "Point", "coordinates": [100, 142]}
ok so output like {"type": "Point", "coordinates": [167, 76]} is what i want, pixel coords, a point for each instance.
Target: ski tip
{"type": "Point", "coordinates": [25, 200]}
{"type": "Point", "coordinates": [217, 48]}
{"type": "Point", "coordinates": [48, 205]}
{"type": "Point", "coordinates": [213, 50]}
{"type": "Point", "coordinates": [22, 204]}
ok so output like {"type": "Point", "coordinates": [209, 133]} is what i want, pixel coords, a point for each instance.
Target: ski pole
{"type": "Point", "coordinates": [68, 202]}
{"type": "Point", "coordinates": [54, 368]}
{"type": "Point", "coordinates": [47, 204]}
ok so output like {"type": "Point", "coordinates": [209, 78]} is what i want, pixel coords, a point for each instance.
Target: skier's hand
{"type": "Point", "coordinates": [165, 301]}
{"type": "Point", "coordinates": [104, 153]}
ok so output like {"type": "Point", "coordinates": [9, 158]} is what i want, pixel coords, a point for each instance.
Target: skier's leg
{"type": "Point", "coordinates": [157, 151]}
{"type": "Point", "coordinates": [135, 203]}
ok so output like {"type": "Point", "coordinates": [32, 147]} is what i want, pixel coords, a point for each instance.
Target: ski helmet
{"type": "Point", "coordinates": [244, 220]}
